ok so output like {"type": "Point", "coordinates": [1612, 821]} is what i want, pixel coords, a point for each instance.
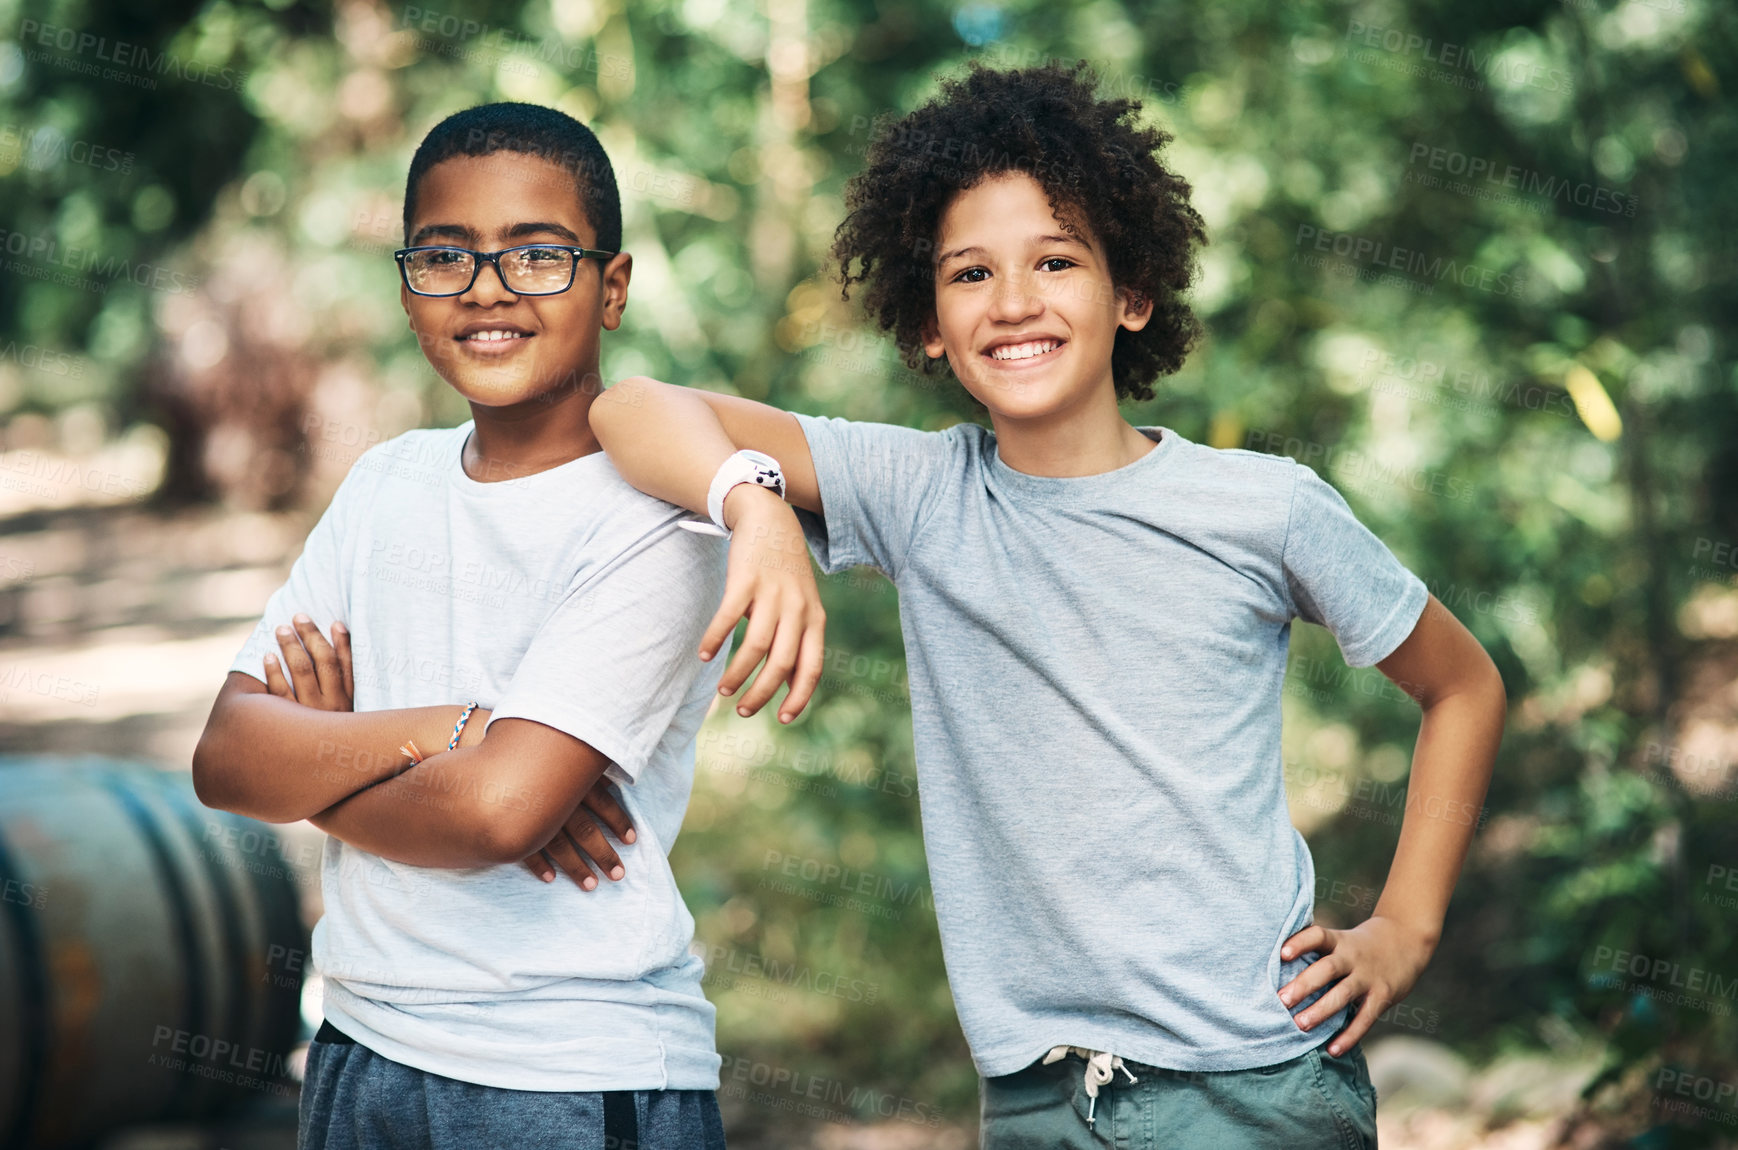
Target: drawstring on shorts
{"type": "Point", "coordinates": [1101, 1067]}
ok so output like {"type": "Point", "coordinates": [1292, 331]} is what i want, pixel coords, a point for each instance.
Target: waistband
{"type": "Point", "coordinates": [621, 1114]}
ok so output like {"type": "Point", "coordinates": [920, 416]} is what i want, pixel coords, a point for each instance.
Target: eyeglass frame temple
{"type": "Point", "coordinates": [494, 258]}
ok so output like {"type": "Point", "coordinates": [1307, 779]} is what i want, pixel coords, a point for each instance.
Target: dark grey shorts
{"type": "Point", "coordinates": [354, 1099]}
{"type": "Point", "coordinates": [1312, 1102]}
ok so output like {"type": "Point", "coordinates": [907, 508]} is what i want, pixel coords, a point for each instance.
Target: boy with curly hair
{"type": "Point", "coordinates": [1096, 619]}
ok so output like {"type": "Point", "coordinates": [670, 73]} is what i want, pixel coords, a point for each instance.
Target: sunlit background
{"type": "Point", "coordinates": [1472, 262]}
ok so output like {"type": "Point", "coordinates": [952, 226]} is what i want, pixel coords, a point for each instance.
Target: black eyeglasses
{"type": "Point", "coordinates": [533, 269]}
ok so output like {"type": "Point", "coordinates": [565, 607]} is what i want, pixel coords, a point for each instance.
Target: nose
{"type": "Point", "coordinates": [489, 286]}
{"type": "Point", "coordinates": [1015, 298]}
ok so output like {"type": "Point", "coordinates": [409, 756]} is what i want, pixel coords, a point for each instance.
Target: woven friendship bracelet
{"type": "Point", "coordinates": [409, 748]}
{"type": "Point", "coordinates": [459, 727]}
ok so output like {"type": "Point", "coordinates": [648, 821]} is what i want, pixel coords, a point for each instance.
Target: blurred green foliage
{"type": "Point", "coordinates": [1472, 261]}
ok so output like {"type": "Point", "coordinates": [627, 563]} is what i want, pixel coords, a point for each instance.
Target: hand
{"type": "Point", "coordinates": [1379, 960]}
{"type": "Point", "coordinates": [769, 580]}
{"type": "Point", "coordinates": [320, 675]}
{"type": "Point", "coordinates": [581, 839]}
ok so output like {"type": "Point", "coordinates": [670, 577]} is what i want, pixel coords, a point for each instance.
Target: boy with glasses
{"type": "Point", "coordinates": [509, 623]}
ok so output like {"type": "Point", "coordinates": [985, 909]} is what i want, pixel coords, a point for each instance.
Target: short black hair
{"type": "Point", "coordinates": [1093, 159]}
{"type": "Point", "coordinates": [533, 130]}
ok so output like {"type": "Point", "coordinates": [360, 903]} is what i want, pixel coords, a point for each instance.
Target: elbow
{"type": "Point", "coordinates": [1495, 691]}
{"type": "Point", "coordinates": [209, 784]}
{"type": "Point", "coordinates": [216, 782]}
{"type": "Point", "coordinates": [616, 403]}
{"type": "Point", "coordinates": [217, 786]}
{"type": "Point", "coordinates": [506, 837]}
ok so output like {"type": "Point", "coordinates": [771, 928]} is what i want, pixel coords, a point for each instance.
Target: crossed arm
{"type": "Point", "coordinates": [290, 748]}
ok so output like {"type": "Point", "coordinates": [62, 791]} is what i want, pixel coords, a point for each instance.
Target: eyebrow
{"type": "Point", "coordinates": [1037, 240]}
{"type": "Point", "coordinates": [517, 231]}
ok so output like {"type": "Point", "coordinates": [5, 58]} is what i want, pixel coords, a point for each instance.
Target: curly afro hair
{"type": "Point", "coordinates": [1095, 162]}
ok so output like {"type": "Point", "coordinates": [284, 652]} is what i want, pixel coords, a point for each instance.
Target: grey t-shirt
{"type": "Point", "coordinates": [564, 597]}
{"type": "Point", "coordinates": [1095, 667]}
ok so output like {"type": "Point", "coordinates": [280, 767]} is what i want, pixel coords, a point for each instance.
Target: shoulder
{"type": "Point", "coordinates": [1248, 493]}
{"type": "Point", "coordinates": [824, 431]}
{"type": "Point", "coordinates": [416, 454]}
{"type": "Point", "coordinates": [423, 444]}
{"type": "Point", "coordinates": [864, 453]}
{"type": "Point", "coordinates": [1237, 469]}
{"type": "Point", "coordinates": [1289, 500]}
{"type": "Point", "coordinates": [626, 520]}
{"type": "Point", "coordinates": [378, 473]}
{"type": "Point", "coordinates": [620, 502]}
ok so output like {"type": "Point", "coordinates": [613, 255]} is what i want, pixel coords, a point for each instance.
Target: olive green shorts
{"type": "Point", "coordinates": [1312, 1102]}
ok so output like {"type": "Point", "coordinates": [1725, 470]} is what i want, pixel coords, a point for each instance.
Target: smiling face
{"type": "Point", "coordinates": [497, 348]}
{"type": "Point", "coordinates": [1025, 312]}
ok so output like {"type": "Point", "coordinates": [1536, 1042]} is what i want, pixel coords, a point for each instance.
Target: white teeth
{"type": "Point", "coordinates": [1024, 350]}
{"type": "Point", "coordinates": [494, 335]}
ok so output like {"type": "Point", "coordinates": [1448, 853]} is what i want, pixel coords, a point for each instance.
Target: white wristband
{"type": "Point", "coordinates": [745, 466]}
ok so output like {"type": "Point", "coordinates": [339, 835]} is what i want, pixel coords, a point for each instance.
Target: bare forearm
{"type": "Point", "coordinates": [668, 441]}
{"type": "Point", "coordinates": [274, 759]}
{"type": "Point", "coordinates": [665, 440]}
{"type": "Point", "coordinates": [475, 806]}
{"type": "Point", "coordinates": [1451, 770]}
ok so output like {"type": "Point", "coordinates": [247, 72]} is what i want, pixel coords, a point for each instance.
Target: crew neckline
{"type": "Point", "coordinates": [463, 434]}
{"type": "Point", "coordinates": [1164, 447]}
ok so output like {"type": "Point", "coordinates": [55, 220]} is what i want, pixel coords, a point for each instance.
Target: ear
{"type": "Point", "coordinates": [930, 334]}
{"type": "Point", "coordinates": [1133, 309]}
{"type": "Point", "coordinates": [616, 274]}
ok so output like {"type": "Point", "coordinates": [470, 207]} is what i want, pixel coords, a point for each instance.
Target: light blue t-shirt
{"type": "Point", "coordinates": [1095, 667]}
{"type": "Point", "coordinates": [568, 598]}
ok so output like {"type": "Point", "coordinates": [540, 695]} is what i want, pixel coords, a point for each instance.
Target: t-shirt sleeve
{"type": "Point", "coordinates": [616, 658]}
{"type": "Point", "coordinates": [1341, 576]}
{"type": "Point", "coordinates": [317, 586]}
{"type": "Point", "coordinates": [876, 480]}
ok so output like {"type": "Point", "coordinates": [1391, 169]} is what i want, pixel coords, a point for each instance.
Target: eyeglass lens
{"type": "Point", "coordinates": [449, 270]}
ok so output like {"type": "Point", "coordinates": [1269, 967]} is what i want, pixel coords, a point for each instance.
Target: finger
{"type": "Point", "coordinates": [562, 850]}
{"type": "Point", "coordinates": [811, 662]}
{"type": "Point", "coordinates": [1311, 937]}
{"type": "Point", "coordinates": [730, 611]}
{"type": "Point", "coordinates": [275, 681]}
{"type": "Point", "coordinates": [755, 642]}
{"type": "Point", "coordinates": [341, 644]}
{"type": "Point", "coordinates": [325, 659]}
{"type": "Point", "coordinates": [1343, 993]}
{"type": "Point", "coordinates": [589, 838]}
{"type": "Point", "coordinates": [300, 668]}
{"type": "Point", "coordinates": [786, 640]}
{"type": "Point", "coordinates": [539, 865]}
{"type": "Point", "coordinates": [601, 801]}
{"type": "Point", "coordinates": [1360, 1025]}
{"type": "Point", "coordinates": [1314, 977]}
{"type": "Point", "coordinates": [1311, 978]}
